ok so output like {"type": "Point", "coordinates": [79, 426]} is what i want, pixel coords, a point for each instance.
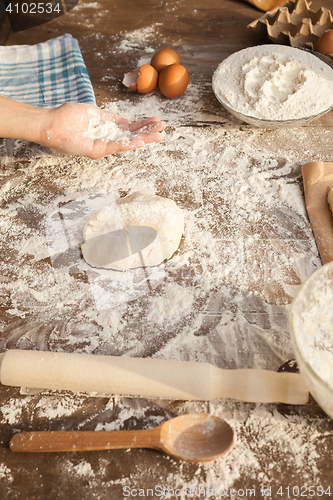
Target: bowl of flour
{"type": "Point", "coordinates": [274, 86]}
{"type": "Point", "coordinates": [311, 329]}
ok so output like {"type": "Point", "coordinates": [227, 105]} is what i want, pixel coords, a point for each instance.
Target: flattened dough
{"type": "Point", "coordinates": [137, 231]}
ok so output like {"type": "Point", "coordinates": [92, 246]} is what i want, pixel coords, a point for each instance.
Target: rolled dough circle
{"type": "Point", "coordinates": [137, 231]}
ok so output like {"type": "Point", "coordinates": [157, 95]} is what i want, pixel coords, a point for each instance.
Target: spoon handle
{"type": "Point", "coordinates": [48, 441]}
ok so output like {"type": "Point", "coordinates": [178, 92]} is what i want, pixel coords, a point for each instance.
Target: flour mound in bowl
{"type": "Point", "coordinates": [275, 82]}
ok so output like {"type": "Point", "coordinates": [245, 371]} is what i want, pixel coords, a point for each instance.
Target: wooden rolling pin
{"type": "Point", "coordinates": [266, 5]}
{"type": "Point", "coordinates": [152, 378]}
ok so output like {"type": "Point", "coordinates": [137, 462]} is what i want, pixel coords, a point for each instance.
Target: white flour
{"type": "Point", "coordinates": [82, 469]}
{"type": "Point", "coordinates": [104, 130]}
{"type": "Point", "coordinates": [275, 83]}
{"type": "Point", "coordinates": [216, 300]}
{"type": "Point", "coordinates": [293, 437]}
{"type": "Point", "coordinates": [223, 298]}
{"type": "Point", "coordinates": [5, 473]}
{"type": "Point", "coordinates": [314, 328]}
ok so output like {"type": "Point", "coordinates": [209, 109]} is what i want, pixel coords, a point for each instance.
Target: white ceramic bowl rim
{"type": "Point", "coordinates": [263, 121]}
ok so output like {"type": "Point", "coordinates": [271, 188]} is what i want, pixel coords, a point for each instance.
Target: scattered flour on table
{"type": "Point", "coordinates": [275, 83]}
{"type": "Point", "coordinates": [12, 412]}
{"type": "Point", "coordinates": [56, 407]}
{"type": "Point", "coordinates": [5, 473]}
{"type": "Point", "coordinates": [292, 196]}
{"type": "Point", "coordinates": [89, 5]}
{"type": "Point", "coordinates": [135, 39]}
{"type": "Point", "coordinates": [50, 406]}
{"type": "Point", "coordinates": [243, 207]}
{"type": "Point", "coordinates": [222, 298]}
{"type": "Point", "coordinates": [82, 469]}
{"type": "Point", "coordinates": [264, 427]}
{"type": "Point", "coordinates": [261, 434]}
{"type": "Point", "coordinates": [174, 304]}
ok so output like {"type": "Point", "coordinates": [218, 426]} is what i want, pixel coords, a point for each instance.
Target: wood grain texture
{"type": "Point", "coordinates": [204, 33]}
{"type": "Point", "coordinates": [198, 437]}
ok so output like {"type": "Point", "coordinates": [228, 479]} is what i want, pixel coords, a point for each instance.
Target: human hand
{"type": "Point", "coordinates": [65, 129]}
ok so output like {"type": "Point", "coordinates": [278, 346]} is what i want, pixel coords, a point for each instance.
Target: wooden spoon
{"type": "Point", "coordinates": [196, 437]}
{"type": "Point", "coordinates": [266, 5]}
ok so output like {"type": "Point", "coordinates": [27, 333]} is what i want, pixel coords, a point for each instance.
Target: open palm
{"type": "Point", "coordinates": [64, 129]}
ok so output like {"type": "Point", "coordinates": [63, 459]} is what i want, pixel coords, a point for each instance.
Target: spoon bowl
{"type": "Point", "coordinates": [197, 437]}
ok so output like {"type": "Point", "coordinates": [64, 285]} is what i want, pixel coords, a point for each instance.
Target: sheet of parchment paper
{"type": "Point", "coordinates": [318, 179]}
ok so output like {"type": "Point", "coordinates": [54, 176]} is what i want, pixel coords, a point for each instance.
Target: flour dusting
{"type": "Point", "coordinates": [5, 473]}
{"type": "Point", "coordinates": [222, 298]}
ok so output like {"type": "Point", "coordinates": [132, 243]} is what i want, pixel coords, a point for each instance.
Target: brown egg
{"type": "Point", "coordinates": [142, 80]}
{"type": "Point", "coordinates": [173, 80]}
{"type": "Point", "coordinates": [163, 58]}
{"type": "Point", "coordinates": [324, 44]}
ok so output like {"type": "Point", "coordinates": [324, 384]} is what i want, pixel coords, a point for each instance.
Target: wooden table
{"type": "Point", "coordinates": [232, 312]}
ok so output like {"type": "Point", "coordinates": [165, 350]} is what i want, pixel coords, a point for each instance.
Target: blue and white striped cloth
{"type": "Point", "coordinates": [47, 74]}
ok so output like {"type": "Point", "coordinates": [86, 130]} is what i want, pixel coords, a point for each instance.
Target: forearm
{"type": "Point", "coordinates": [64, 128]}
{"type": "Point", "coordinates": [20, 121]}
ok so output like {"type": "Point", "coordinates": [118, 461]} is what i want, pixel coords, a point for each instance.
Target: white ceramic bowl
{"type": "Point", "coordinates": [311, 330]}
{"type": "Point", "coordinates": [258, 122]}
{"type": "Point", "coordinates": [265, 123]}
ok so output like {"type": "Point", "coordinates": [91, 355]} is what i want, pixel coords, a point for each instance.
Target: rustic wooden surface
{"type": "Point", "coordinates": [205, 33]}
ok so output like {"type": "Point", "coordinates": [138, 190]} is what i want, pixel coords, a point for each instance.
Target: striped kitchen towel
{"type": "Point", "coordinates": [47, 74]}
